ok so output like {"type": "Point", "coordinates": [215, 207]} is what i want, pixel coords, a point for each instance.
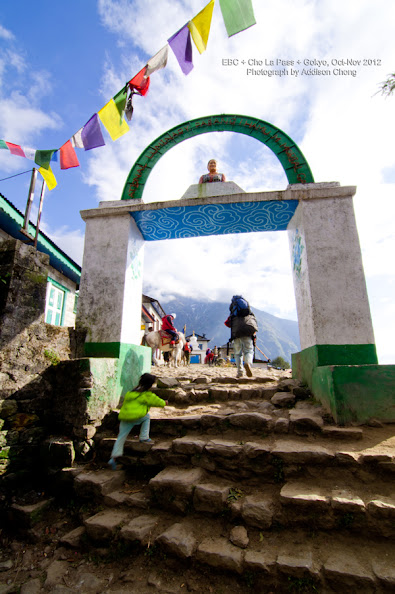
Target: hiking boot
{"type": "Point", "coordinates": [146, 441]}
{"type": "Point", "coordinates": [239, 374]}
{"type": "Point", "coordinates": [247, 367]}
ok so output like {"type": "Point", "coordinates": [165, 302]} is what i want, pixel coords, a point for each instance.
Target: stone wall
{"type": "Point", "coordinates": [51, 399]}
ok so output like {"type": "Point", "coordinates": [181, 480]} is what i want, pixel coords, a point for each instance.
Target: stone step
{"type": "Point", "coordinates": [361, 508]}
{"type": "Point", "coordinates": [281, 560]}
{"type": "Point", "coordinates": [273, 458]}
{"type": "Point", "coordinates": [258, 419]}
{"type": "Point", "coordinates": [94, 484]}
{"type": "Point", "coordinates": [347, 505]}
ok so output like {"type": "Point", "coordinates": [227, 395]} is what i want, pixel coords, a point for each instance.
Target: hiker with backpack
{"type": "Point", "coordinates": [243, 326]}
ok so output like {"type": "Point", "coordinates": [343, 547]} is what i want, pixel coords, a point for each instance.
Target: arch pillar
{"type": "Point", "coordinates": [329, 280]}
{"type": "Point", "coordinates": [110, 296]}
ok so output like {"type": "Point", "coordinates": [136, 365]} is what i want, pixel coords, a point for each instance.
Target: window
{"type": "Point", "coordinates": [75, 302]}
{"type": "Point", "coordinates": [55, 303]}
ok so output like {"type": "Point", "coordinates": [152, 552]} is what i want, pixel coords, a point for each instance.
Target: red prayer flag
{"type": "Point", "coordinates": [15, 149]}
{"type": "Point", "coordinates": [68, 156]}
{"type": "Point", "coordinates": [139, 82]}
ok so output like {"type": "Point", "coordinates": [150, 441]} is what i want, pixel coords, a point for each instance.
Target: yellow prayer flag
{"type": "Point", "coordinates": [200, 25]}
{"type": "Point", "coordinates": [49, 177]}
{"type": "Point", "coordinates": [112, 120]}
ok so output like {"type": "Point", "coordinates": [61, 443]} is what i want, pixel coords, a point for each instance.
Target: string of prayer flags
{"type": "Point", "coordinates": [200, 25]}
{"type": "Point", "coordinates": [68, 156]}
{"type": "Point", "coordinates": [140, 82]}
{"type": "Point", "coordinates": [43, 158]}
{"type": "Point", "coordinates": [238, 15]}
{"type": "Point", "coordinates": [112, 121]}
{"type": "Point", "coordinates": [181, 45]}
{"type": "Point", "coordinates": [158, 61]}
{"type": "Point", "coordinates": [49, 177]}
{"type": "Point", "coordinates": [91, 134]}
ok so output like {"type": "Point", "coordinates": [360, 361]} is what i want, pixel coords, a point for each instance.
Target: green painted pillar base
{"type": "Point", "coordinates": [132, 361]}
{"type": "Point", "coordinates": [348, 381]}
{"type": "Point", "coordinates": [305, 362]}
{"type": "Point", "coordinates": [356, 393]}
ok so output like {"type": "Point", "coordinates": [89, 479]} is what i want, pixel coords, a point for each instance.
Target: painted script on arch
{"type": "Point", "coordinates": [267, 134]}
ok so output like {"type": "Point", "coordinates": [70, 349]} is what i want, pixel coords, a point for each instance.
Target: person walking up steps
{"type": "Point", "coordinates": [135, 411]}
{"type": "Point", "coordinates": [243, 326]}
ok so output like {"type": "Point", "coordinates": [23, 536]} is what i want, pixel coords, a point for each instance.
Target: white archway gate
{"type": "Point", "coordinates": [338, 356]}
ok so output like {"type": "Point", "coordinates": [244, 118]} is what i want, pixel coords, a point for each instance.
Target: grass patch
{"type": "Point", "coordinates": [52, 356]}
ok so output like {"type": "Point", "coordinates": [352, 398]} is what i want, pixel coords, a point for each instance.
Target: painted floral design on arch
{"type": "Point", "coordinates": [297, 251]}
{"type": "Point", "coordinates": [135, 260]}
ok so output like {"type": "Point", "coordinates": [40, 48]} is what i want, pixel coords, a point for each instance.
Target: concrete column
{"type": "Point", "coordinates": [109, 306]}
{"type": "Point", "coordinates": [329, 281]}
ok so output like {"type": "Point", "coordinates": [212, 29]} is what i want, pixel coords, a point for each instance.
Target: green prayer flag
{"type": "Point", "coordinates": [3, 145]}
{"type": "Point", "coordinates": [237, 14]}
{"type": "Point", "coordinates": [120, 100]}
{"type": "Point", "coordinates": [43, 158]}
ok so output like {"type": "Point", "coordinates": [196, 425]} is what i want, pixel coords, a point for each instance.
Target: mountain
{"type": "Point", "coordinates": [276, 336]}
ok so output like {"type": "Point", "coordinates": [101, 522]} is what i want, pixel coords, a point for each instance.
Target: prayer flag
{"type": "Point", "coordinates": [181, 45]}
{"type": "Point", "coordinates": [29, 153]}
{"type": "Point", "coordinates": [3, 145]}
{"type": "Point", "coordinates": [158, 61]}
{"type": "Point", "coordinates": [43, 158]}
{"type": "Point", "coordinates": [113, 122]}
{"type": "Point", "coordinates": [49, 177]}
{"type": "Point", "coordinates": [54, 157]}
{"type": "Point", "coordinates": [15, 149]}
{"type": "Point", "coordinates": [200, 25]}
{"type": "Point", "coordinates": [91, 134]}
{"type": "Point", "coordinates": [76, 140]}
{"type": "Point", "coordinates": [238, 15]}
{"type": "Point", "coordinates": [120, 100]}
{"type": "Point", "coordinates": [68, 157]}
{"type": "Point", "coordinates": [140, 82]}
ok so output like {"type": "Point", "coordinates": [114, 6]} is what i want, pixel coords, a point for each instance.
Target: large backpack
{"type": "Point", "coordinates": [244, 326]}
{"type": "Point", "coordinates": [239, 306]}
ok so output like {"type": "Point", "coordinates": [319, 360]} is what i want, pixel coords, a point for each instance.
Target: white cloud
{"type": "Point", "coordinates": [5, 33]}
{"type": "Point", "coordinates": [22, 89]}
{"type": "Point", "coordinates": [71, 241]}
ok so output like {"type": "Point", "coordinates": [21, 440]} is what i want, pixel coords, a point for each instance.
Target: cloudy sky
{"type": "Point", "coordinates": [61, 62]}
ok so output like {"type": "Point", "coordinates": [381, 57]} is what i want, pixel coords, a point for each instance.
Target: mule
{"type": "Point", "coordinates": [158, 339]}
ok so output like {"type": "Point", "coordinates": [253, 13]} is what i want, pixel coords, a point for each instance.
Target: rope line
{"type": "Point", "coordinates": [16, 175]}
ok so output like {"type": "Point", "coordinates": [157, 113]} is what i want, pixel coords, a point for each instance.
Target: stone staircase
{"type": "Point", "coordinates": [251, 478]}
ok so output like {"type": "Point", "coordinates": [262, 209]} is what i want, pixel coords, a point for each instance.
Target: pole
{"type": "Point", "coordinates": [25, 228]}
{"type": "Point", "coordinates": [40, 208]}
{"type": "Point", "coordinates": [262, 352]}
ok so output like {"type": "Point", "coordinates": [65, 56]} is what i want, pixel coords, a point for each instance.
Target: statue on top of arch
{"type": "Point", "coordinates": [212, 175]}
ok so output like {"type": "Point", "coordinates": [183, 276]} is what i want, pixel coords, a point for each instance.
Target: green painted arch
{"type": "Point", "coordinates": [286, 150]}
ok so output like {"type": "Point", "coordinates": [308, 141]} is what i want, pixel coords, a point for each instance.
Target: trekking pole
{"type": "Point", "coordinates": [262, 352]}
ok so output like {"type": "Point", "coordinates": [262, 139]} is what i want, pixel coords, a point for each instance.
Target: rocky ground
{"type": "Point", "coordinates": [44, 544]}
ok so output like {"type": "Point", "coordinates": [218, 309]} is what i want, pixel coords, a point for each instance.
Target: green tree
{"type": "Point", "coordinates": [280, 362]}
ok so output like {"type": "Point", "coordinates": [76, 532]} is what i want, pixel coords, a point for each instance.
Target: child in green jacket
{"type": "Point", "coordinates": [134, 411]}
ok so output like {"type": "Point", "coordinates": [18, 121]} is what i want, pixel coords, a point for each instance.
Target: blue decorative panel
{"type": "Point", "coordinates": [214, 219]}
